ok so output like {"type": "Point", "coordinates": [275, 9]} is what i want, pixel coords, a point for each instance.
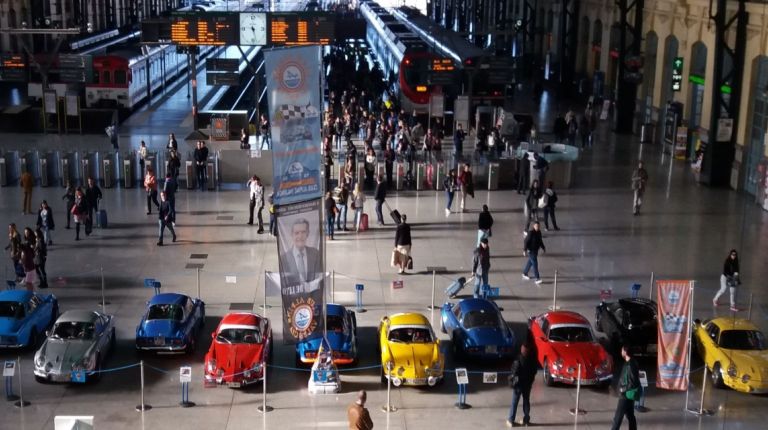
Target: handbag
{"type": "Point", "coordinates": [543, 201]}
{"type": "Point", "coordinates": [353, 205]}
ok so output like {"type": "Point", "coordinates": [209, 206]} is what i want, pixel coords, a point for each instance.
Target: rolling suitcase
{"type": "Point", "coordinates": [455, 287]}
{"type": "Point", "coordinates": [364, 222]}
{"type": "Point", "coordinates": [395, 214]}
{"type": "Point", "coordinates": [101, 218]}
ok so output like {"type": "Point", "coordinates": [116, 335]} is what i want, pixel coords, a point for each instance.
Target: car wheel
{"type": "Point", "coordinates": [40, 380]}
{"type": "Point", "coordinates": [548, 381]}
{"type": "Point", "coordinates": [717, 376]}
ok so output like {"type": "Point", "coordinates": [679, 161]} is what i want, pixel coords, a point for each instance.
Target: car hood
{"type": "Point", "coordinates": [335, 340]}
{"type": "Point", "coordinates": [167, 328]}
{"type": "Point", "coordinates": [9, 325]}
{"type": "Point", "coordinates": [62, 354]}
{"type": "Point", "coordinates": [417, 356]}
{"type": "Point", "coordinates": [237, 357]}
{"type": "Point", "coordinates": [754, 363]}
{"type": "Point", "coordinates": [488, 336]}
{"type": "Point", "coordinates": [588, 354]}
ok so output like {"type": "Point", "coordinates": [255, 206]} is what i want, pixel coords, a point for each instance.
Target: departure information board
{"type": "Point", "coordinates": [210, 28]}
{"type": "Point", "coordinates": [296, 29]}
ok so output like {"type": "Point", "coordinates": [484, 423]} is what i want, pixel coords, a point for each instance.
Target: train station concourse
{"type": "Point", "coordinates": [243, 214]}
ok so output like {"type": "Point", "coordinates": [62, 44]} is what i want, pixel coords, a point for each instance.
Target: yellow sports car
{"type": "Point", "coordinates": [410, 351]}
{"type": "Point", "coordinates": [736, 353]}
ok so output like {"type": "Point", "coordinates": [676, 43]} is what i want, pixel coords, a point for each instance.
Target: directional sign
{"type": "Point", "coordinates": [677, 74]}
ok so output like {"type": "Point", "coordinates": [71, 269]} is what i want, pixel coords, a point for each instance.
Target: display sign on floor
{"type": "Point", "coordinates": [674, 299]}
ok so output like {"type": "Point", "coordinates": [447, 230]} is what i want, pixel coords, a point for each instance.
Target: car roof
{"type": "Point", "coordinates": [473, 304]}
{"type": "Point", "coordinates": [411, 318]}
{"type": "Point", "coordinates": [15, 296]}
{"type": "Point", "coordinates": [241, 318]}
{"type": "Point", "coordinates": [334, 309]}
{"type": "Point", "coordinates": [168, 299]}
{"type": "Point", "coordinates": [729, 323]}
{"type": "Point", "coordinates": [565, 317]}
{"type": "Point", "coordinates": [78, 316]}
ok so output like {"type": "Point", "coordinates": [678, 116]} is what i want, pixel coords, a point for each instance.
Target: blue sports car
{"type": "Point", "coordinates": [24, 317]}
{"type": "Point", "coordinates": [341, 327]}
{"type": "Point", "coordinates": [170, 324]}
{"type": "Point", "coordinates": [477, 329]}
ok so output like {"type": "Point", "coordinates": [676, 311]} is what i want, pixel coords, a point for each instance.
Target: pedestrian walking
{"type": "Point", "coordinates": [264, 130]}
{"type": "Point", "coordinates": [533, 243]}
{"type": "Point", "coordinates": [27, 182]}
{"type": "Point", "coordinates": [402, 251]}
{"type": "Point", "coordinates": [629, 391]}
{"type": "Point", "coordinates": [244, 139]}
{"type": "Point", "coordinates": [150, 186]}
{"type": "Point", "coordinates": [28, 263]}
{"type": "Point", "coordinates": [729, 279]}
{"type": "Point", "coordinates": [69, 197]}
{"type": "Point", "coordinates": [549, 208]}
{"type": "Point", "coordinates": [467, 186]}
{"type": "Point", "coordinates": [639, 181]}
{"type": "Point", "coordinates": [358, 204]}
{"type": "Point", "coordinates": [93, 195]}
{"type": "Point", "coordinates": [389, 163]}
{"type": "Point", "coordinates": [174, 164]}
{"type": "Point", "coordinates": [40, 258]}
{"type": "Point", "coordinates": [45, 222]}
{"type": "Point", "coordinates": [458, 142]}
{"type": "Point", "coordinates": [142, 156]}
{"type": "Point", "coordinates": [521, 378]}
{"type": "Point", "coordinates": [341, 208]}
{"type": "Point", "coordinates": [170, 186]}
{"type": "Point", "coordinates": [80, 212]}
{"type": "Point", "coordinates": [481, 265]}
{"type": "Point", "coordinates": [166, 218]}
{"type": "Point", "coordinates": [532, 205]}
{"type": "Point", "coordinates": [484, 225]}
{"type": "Point", "coordinates": [330, 214]}
{"type": "Point", "coordinates": [14, 250]}
{"type": "Point", "coordinates": [380, 196]}
{"type": "Point", "coordinates": [256, 201]}
{"type": "Point", "coordinates": [357, 414]}
{"type": "Point", "coordinates": [449, 184]}
{"type": "Point", "coordinates": [172, 144]}
{"type": "Point", "coordinates": [201, 160]}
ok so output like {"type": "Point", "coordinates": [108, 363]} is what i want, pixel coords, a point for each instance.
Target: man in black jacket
{"type": "Point", "coordinates": [481, 261]}
{"type": "Point", "coordinates": [484, 224]}
{"type": "Point", "coordinates": [402, 244]}
{"type": "Point", "coordinates": [201, 159]}
{"type": "Point", "coordinates": [165, 219]}
{"type": "Point", "coordinates": [533, 242]}
{"type": "Point", "coordinates": [380, 195]}
{"type": "Point", "coordinates": [523, 373]}
{"type": "Point", "coordinates": [92, 197]}
{"type": "Point", "coordinates": [629, 391]}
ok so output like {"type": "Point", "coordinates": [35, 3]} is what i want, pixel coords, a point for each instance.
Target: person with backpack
{"type": "Point", "coordinates": [549, 208]}
{"type": "Point", "coordinates": [449, 184]}
{"type": "Point", "coordinates": [521, 378]}
{"type": "Point", "coordinates": [629, 391]}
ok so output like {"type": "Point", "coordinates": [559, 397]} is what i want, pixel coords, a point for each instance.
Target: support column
{"type": "Point", "coordinates": [726, 94]}
{"type": "Point", "coordinates": [628, 76]}
{"type": "Point", "coordinates": [569, 30]}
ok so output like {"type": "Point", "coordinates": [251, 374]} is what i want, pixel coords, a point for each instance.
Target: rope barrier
{"type": "Point", "coordinates": [117, 368]}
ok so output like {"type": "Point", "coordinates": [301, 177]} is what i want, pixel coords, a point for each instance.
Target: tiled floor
{"type": "Point", "coordinates": [684, 232]}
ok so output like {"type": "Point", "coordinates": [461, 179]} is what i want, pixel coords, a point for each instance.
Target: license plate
{"type": "Point", "coordinates": [490, 349]}
{"type": "Point", "coordinates": [160, 340]}
{"type": "Point", "coordinates": [233, 384]}
{"type": "Point", "coordinates": [416, 381]}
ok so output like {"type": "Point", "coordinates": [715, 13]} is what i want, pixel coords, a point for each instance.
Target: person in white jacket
{"type": "Point", "coordinates": [358, 200]}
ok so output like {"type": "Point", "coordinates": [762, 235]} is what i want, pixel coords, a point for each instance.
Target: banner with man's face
{"type": "Point", "coordinates": [302, 271]}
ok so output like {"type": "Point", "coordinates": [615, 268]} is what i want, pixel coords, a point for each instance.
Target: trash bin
{"type": "Point", "coordinates": [646, 133]}
{"type": "Point", "coordinates": [127, 174]}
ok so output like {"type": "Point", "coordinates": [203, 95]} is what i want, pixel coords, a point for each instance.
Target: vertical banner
{"type": "Point", "coordinates": [293, 88]}
{"type": "Point", "coordinates": [674, 299]}
{"type": "Point", "coordinates": [302, 272]}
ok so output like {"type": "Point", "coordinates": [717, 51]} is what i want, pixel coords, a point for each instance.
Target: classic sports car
{"type": "Point", "coordinates": [630, 322]}
{"type": "Point", "coordinates": [735, 351]}
{"type": "Point", "coordinates": [79, 342]}
{"type": "Point", "coordinates": [24, 317]}
{"type": "Point", "coordinates": [341, 328]}
{"type": "Point", "coordinates": [477, 329]}
{"type": "Point", "coordinates": [241, 345]}
{"type": "Point", "coordinates": [407, 342]}
{"type": "Point", "coordinates": [563, 340]}
{"type": "Point", "coordinates": [170, 323]}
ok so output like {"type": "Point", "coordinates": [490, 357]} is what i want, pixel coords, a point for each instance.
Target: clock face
{"type": "Point", "coordinates": [253, 28]}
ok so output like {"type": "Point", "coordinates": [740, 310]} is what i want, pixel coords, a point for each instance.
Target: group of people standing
{"type": "Point", "coordinates": [29, 252]}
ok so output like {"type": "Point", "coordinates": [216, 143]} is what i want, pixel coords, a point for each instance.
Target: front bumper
{"type": "Point", "coordinates": [339, 361]}
{"type": "Point", "coordinates": [410, 381]}
{"type": "Point", "coordinates": [150, 344]}
{"type": "Point", "coordinates": [751, 386]}
{"type": "Point", "coordinates": [59, 376]}
{"type": "Point", "coordinates": [572, 380]}
{"type": "Point", "coordinates": [490, 352]}
{"type": "Point", "coordinates": [234, 381]}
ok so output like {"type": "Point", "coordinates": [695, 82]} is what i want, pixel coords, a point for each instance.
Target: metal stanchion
{"type": "Point", "coordinates": [198, 282]}
{"type": "Point", "coordinates": [265, 306]}
{"type": "Point", "coordinates": [21, 402]}
{"type": "Point", "coordinates": [359, 298]}
{"type": "Point", "coordinates": [650, 290]}
{"type": "Point", "coordinates": [577, 411]}
{"type": "Point", "coordinates": [388, 407]}
{"type": "Point", "coordinates": [701, 411]}
{"type": "Point", "coordinates": [104, 302]}
{"type": "Point", "coordinates": [434, 270]}
{"type": "Point", "coordinates": [143, 406]}
{"type": "Point", "coordinates": [333, 286]}
{"type": "Point", "coordinates": [749, 310]}
{"type": "Point", "coordinates": [554, 306]}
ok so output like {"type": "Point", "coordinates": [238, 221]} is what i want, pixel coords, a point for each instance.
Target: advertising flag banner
{"type": "Point", "coordinates": [302, 274]}
{"type": "Point", "coordinates": [293, 92]}
{"type": "Point", "coordinates": [674, 313]}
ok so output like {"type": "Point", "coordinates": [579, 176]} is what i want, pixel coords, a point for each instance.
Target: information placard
{"type": "Point", "coordinates": [185, 374]}
{"type": "Point", "coordinates": [462, 377]}
{"type": "Point", "coordinates": [9, 368]}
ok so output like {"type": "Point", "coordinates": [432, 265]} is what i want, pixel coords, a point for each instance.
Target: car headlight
{"type": "Point", "coordinates": [39, 361]}
{"type": "Point", "coordinates": [732, 371]}
{"type": "Point", "coordinates": [603, 367]}
{"type": "Point", "coordinates": [745, 378]}
{"type": "Point", "coordinates": [256, 367]}
{"type": "Point", "coordinates": [558, 364]}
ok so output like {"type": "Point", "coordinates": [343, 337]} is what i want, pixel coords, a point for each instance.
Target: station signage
{"type": "Point", "coordinates": [297, 29]}
{"type": "Point", "coordinates": [215, 29]}
{"type": "Point", "coordinates": [677, 74]}
{"type": "Point", "coordinates": [441, 72]}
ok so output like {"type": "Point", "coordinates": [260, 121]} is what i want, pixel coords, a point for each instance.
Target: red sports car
{"type": "Point", "coordinates": [563, 340]}
{"type": "Point", "coordinates": [241, 345]}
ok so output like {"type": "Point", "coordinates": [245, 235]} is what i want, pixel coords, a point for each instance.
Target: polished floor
{"type": "Point", "coordinates": [684, 232]}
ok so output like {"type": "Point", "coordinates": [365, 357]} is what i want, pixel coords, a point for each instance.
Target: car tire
{"type": "Point", "coordinates": [548, 381]}
{"type": "Point", "coordinates": [40, 380]}
{"type": "Point", "coordinates": [717, 376]}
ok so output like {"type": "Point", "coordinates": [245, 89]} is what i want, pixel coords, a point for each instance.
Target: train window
{"type": "Point", "coordinates": [120, 77]}
{"type": "Point", "coordinates": [106, 77]}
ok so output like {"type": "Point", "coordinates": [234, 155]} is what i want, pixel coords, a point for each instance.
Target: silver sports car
{"type": "Point", "coordinates": [76, 347]}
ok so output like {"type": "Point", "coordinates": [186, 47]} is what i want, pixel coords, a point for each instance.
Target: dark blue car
{"type": "Point", "coordinates": [170, 324]}
{"type": "Point", "coordinates": [24, 317]}
{"type": "Point", "coordinates": [477, 329]}
{"type": "Point", "coordinates": [341, 326]}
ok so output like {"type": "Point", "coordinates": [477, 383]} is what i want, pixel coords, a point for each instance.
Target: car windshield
{"type": "Point", "coordinates": [639, 315]}
{"type": "Point", "coordinates": [11, 310]}
{"type": "Point", "coordinates": [335, 323]}
{"type": "Point", "coordinates": [239, 335]}
{"type": "Point", "coordinates": [165, 312]}
{"type": "Point", "coordinates": [570, 334]}
{"type": "Point", "coordinates": [410, 335]}
{"type": "Point", "coordinates": [745, 340]}
{"type": "Point", "coordinates": [73, 330]}
{"type": "Point", "coordinates": [482, 318]}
